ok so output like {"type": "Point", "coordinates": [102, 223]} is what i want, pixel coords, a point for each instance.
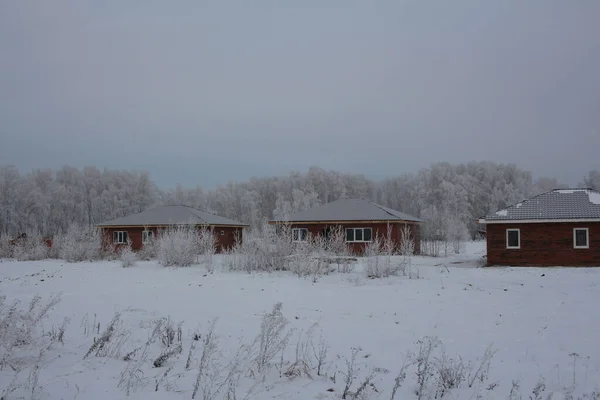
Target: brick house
{"type": "Point", "coordinates": [360, 220]}
{"type": "Point", "coordinates": [557, 228]}
{"type": "Point", "coordinates": [138, 229]}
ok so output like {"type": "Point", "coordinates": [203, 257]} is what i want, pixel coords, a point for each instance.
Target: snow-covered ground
{"type": "Point", "coordinates": [543, 325]}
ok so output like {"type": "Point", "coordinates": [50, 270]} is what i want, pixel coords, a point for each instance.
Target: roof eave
{"type": "Point", "coordinates": [343, 221]}
{"type": "Point", "coordinates": [167, 225]}
{"type": "Point", "coordinates": [537, 221]}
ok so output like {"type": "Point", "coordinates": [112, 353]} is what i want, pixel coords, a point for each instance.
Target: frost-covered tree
{"type": "Point", "coordinates": [447, 196]}
{"type": "Point", "coordinates": [592, 180]}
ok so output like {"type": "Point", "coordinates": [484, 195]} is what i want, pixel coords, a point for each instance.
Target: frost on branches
{"type": "Point", "coordinates": [178, 246]}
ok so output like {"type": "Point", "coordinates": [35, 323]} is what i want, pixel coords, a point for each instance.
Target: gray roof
{"type": "Point", "coordinates": [559, 204]}
{"type": "Point", "coordinates": [171, 215]}
{"type": "Point", "coordinates": [350, 210]}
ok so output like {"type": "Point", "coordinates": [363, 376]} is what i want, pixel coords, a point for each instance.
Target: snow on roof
{"type": "Point", "coordinates": [557, 204]}
{"type": "Point", "coordinates": [569, 191]}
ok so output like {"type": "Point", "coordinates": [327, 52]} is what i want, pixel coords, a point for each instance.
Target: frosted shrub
{"type": "Point", "coordinates": [407, 249]}
{"type": "Point", "coordinates": [207, 246]}
{"type": "Point", "coordinates": [79, 243]}
{"type": "Point", "coordinates": [268, 250]}
{"type": "Point", "coordinates": [376, 265]}
{"type": "Point", "coordinates": [127, 257]}
{"type": "Point", "coordinates": [337, 245]}
{"type": "Point", "coordinates": [178, 246]}
{"type": "Point", "coordinates": [148, 251]}
{"type": "Point", "coordinates": [30, 247]}
{"type": "Point", "coordinates": [21, 326]}
{"type": "Point", "coordinates": [272, 339]}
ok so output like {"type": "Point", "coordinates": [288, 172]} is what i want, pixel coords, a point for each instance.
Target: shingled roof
{"type": "Point", "coordinates": [350, 210]}
{"type": "Point", "coordinates": [558, 204]}
{"type": "Point", "coordinates": [171, 215]}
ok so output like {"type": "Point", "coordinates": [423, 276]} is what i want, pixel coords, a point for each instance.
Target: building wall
{"type": "Point", "coordinates": [543, 244]}
{"type": "Point", "coordinates": [226, 236]}
{"type": "Point", "coordinates": [378, 229]}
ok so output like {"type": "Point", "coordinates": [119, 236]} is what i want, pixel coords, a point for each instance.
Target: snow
{"type": "Point", "coordinates": [570, 191]}
{"type": "Point", "coordinates": [594, 197]}
{"type": "Point", "coordinates": [502, 213]}
{"type": "Point", "coordinates": [518, 205]}
{"type": "Point", "coordinates": [533, 317]}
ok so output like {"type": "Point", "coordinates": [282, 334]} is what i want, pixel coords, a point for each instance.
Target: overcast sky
{"type": "Point", "coordinates": [204, 92]}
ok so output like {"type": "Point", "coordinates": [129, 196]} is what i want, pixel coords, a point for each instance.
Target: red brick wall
{"type": "Point", "coordinates": [378, 229]}
{"type": "Point", "coordinates": [224, 241]}
{"type": "Point", "coordinates": [543, 244]}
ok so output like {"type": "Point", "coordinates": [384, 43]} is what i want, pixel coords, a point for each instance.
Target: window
{"type": "Point", "coordinates": [513, 238]}
{"type": "Point", "coordinates": [581, 238]}
{"type": "Point", "coordinates": [299, 234]}
{"type": "Point", "coordinates": [222, 233]}
{"type": "Point", "coordinates": [147, 236]}
{"type": "Point", "coordinates": [359, 234]}
{"type": "Point", "coordinates": [120, 237]}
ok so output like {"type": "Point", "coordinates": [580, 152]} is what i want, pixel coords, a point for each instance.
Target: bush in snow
{"type": "Point", "coordinates": [149, 250]}
{"type": "Point", "coordinates": [178, 246]}
{"type": "Point", "coordinates": [266, 250]}
{"type": "Point", "coordinates": [337, 245]}
{"type": "Point", "coordinates": [272, 339]}
{"type": "Point", "coordinates": [376, 265]}
{"type": "Point", "coordinates": [207, 246]}
{"type": "Point", "coordinates": [127, 257]}
{"type": "Point", "coordinates": [30, 247]}
{"type": "Point", "coordinates": [79, 243]}
{"type": "Point", "coordinates": [20, 328]}
{"type": "Point", "coordinates": [407, 250]}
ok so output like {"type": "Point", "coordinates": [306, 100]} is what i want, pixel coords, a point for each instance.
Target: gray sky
{"type": "Point", "coordinates": [204, 92]}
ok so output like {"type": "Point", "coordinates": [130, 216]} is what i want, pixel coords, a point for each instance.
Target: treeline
{"type": "Point", "coordinates": [448, 197]}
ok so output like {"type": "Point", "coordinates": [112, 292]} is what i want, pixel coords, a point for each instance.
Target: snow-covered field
{"type": "Point", "coordinates": [542, 324]}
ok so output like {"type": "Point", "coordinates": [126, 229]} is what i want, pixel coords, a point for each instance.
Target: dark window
{"type": "Point", "coordinates": [581, 238]}
{"type": "Point", "coordinates": [359, 234]}
{"type": "Point", "coordinates": [367, 234]}
{"type": "Point", "coordinates": [120, 237]}
{"type": "Point", "coordinates": [299, 234]}
{"type": "Point", "coordinates": [513, 239]}
{"type": "Point", "coordinates": [349, 235]}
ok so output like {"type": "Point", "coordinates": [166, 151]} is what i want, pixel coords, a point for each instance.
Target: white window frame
{"type": "Point", "coordinates": [222, 233]}
{"type": "Point", "coordinates": [120, 237]}
{"type": "Point", "coordinates": [363, 235]}
{"type": "Point", "coordinates": [587, 238]}
{"type": "Point", "coordinates": [149, 236]}
{"type": "Point", "coordinates": [299, 230]}
{"type": "Point", "coordinates": [519, 237]}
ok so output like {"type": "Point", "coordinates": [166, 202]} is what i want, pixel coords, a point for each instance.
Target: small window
{"type": "Point", "coordinates": [359, 235]}
{"type": "Point", "coordinates": [581, 238]}
{"type": "Point", "coordinates": [299, 234]}
{"type": "Point", "coordinates": [120, 237]}
{"type": "Point", "coordinates": [147, 236]}
{"type": "Point", "coordinates": [222, 233]}
{"type": "Point", "coordinates": [513, 239]}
